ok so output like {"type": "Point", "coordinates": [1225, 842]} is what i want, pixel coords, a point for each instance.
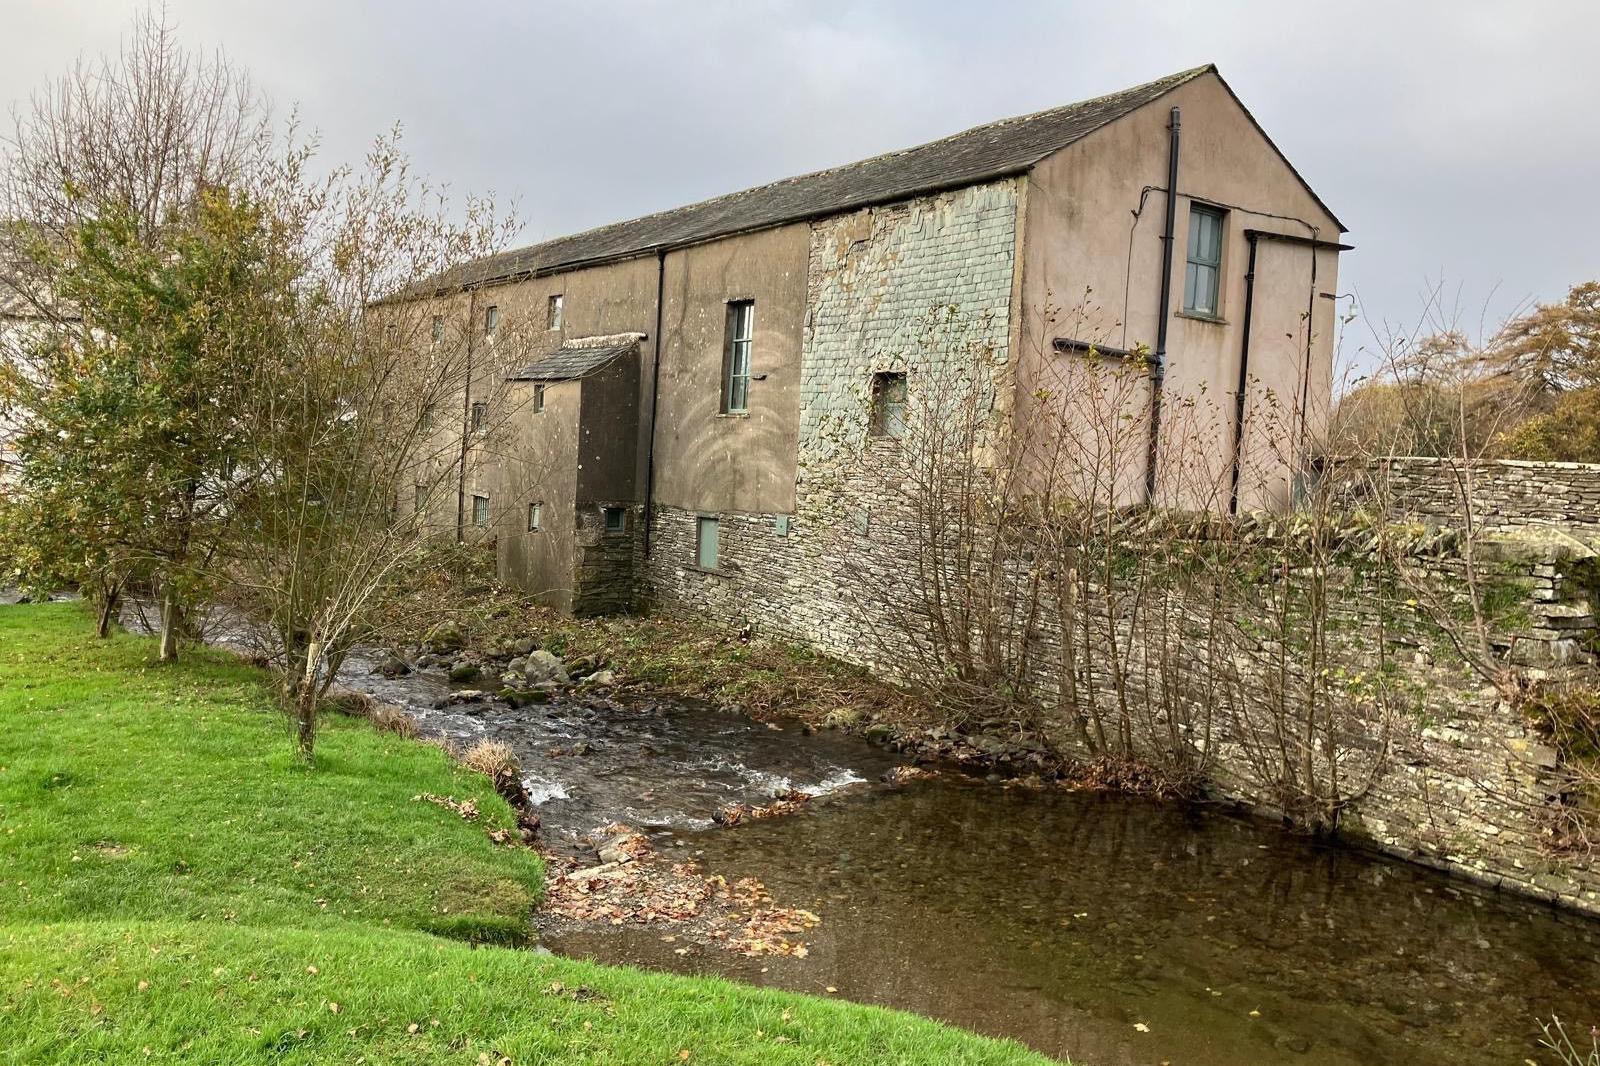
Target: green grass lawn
{"type": "Point", "coordinates": [174, 886]}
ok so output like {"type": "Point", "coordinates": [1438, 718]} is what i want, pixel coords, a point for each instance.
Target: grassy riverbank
{"type": "Point", "coordinates": [176, 887]}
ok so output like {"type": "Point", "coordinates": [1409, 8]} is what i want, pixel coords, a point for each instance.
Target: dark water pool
{"type": "Point", "coordinates": [1117, 931]}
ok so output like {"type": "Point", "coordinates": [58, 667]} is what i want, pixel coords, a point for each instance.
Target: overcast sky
{"type": "Point", "coordinates": [1458, 139]}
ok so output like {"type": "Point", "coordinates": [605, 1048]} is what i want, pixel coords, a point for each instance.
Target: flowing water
{"type": "Point", "coordinates": [1109, 929]}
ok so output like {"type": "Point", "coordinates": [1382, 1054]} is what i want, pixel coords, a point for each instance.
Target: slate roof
{"type": "Point", "coordinates": [983, 153]}
{"type": "Point", "coordinates": [573, 361]}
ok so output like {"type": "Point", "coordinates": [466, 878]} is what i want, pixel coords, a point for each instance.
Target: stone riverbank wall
{"type": "Point", "coordinates": [1435, 763]}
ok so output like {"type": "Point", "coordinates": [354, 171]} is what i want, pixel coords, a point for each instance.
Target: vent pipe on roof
{"type": "Point", "coordinates": [1158, 365]}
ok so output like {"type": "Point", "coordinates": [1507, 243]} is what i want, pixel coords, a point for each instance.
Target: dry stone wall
{"type": "Point", "coordinates": [1506, 494]}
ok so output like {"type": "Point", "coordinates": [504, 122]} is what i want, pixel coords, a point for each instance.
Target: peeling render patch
{"type": "Point", "coordinates": [873, 279]}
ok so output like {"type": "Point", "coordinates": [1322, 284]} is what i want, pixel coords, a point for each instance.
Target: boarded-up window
{"type": "Point", "coordinates": [708, 535]}
{"type": "Point", "coordinates": [736, 356]}
{"type": "Point", "coordinates": [888, 405]}
{"type": "Point", "coordinates": [1201, 280]}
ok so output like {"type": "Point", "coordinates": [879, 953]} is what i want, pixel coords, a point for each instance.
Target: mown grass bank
{"type": "Point", "coordinates": [174, 886]}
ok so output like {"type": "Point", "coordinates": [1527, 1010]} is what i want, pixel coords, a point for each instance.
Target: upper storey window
{"type": "Point", "coordinates": [1201, 281]}
{"type": "Point", "coordinates": [736, 356]}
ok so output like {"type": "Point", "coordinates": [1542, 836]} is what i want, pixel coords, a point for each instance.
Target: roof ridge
{"type": "Point", "coordinates": [1175, 79]}
{"type": "Point", "coordinates": [986, 152]}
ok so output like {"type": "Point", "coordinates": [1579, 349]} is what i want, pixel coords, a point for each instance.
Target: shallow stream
{"type": "Point", "coordinates": [1109, 929]}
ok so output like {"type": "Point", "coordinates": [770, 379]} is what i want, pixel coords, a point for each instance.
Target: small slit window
{"type": "Point", "coordinates": [736, 356]}
{"type": "Point", "coordinates": [888, 404]}
{"type": "Point", "coordinates": [538, 398]}
{"type": "Point", "coordinates": [707, 542]}
{"type": "Point", "coordinates": [1201, 278]}
{"type": "Point", "coordinates": [535, 517]}
{"type": "Point", "coordinates": [438, 328]}
{"type": "Point", "coordinates": [491, 320]}
{"type": "Point", "coordinates": [480, 414]}
{"type": "Point", "coordinates": [552, 317]}
{"type": "Point", "coordinates": [480, 511]}
{"type": "Point", "coordinates": [616, 519]}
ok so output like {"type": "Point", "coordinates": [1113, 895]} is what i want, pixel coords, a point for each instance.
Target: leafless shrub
{"type": "Point", "coordinates": [1015, 568]}
{"type": "Point", "coordinates": [1556, 1039]}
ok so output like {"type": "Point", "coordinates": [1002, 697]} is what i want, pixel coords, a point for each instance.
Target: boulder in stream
{"type": "Point", "coordinates": [544, 666]}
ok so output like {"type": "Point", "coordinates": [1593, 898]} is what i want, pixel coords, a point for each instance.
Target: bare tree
{"type": "Point", "coordinates": [346, 444]}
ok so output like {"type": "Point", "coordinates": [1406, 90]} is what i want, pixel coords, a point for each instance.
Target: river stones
{"type": "Point", "coordinates": [392, 667]}
{"type": "Point", "coordinates": [545, 666]}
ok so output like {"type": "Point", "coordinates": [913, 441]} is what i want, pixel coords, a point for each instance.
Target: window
{"type": "Point", "coordinates": [736, 357]}
{"type": "Point", "coordinates": [491, 320]}
{"type": "Point", "coordinates": [1205, 260]}
{"type": "Point", "coordinates": [420, 502]}
{"type": "Point", "coordinates": [538, 398]}
{"type": "Point", "coordinates": [707, 533]}
{"type": "Point", "coordinates": [616, 519]}
{"type": "Point", "coordinates": [535, 516]}
{"type": "Point", "coordinates": [438, 328]}
{"type": "Point", "coordinates": [888, 405]}
{"type": "Point", "coordinates": [480, 511]}
{"type": "Point", "coordinates": [480, 414]}
{"type": "Point", "coordinates": [552, 318]}
{"type": "Point", "coordinates": [427, 416]}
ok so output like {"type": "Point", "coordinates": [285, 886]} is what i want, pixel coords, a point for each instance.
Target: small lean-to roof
{"type": "Point", "coordinates": [578, 358]}
{"type": "Point", "coordinates": [984, 153]}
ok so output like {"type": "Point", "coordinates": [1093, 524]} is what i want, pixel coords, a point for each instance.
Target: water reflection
{"type": "Point", "coordinates": [1068, 921]}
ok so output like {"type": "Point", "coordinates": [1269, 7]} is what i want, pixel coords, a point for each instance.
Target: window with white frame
{"type": "Point", "coordinates": [736, 356]}
{"type": "Point", "coordinates": [1202, 278]}
{"type": "Point", "coordinates": [535, 517]}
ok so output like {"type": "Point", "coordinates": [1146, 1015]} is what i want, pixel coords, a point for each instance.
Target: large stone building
{"type": "Point", "coordinates": [693, 369]}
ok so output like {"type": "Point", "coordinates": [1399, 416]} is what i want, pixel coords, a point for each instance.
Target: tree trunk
{"type": "Point", "coordinates": [306, 705]}
{"type": "Point", "coordinates": [108, 611]}
{"type": "Point", "coordinates": [171, 622]}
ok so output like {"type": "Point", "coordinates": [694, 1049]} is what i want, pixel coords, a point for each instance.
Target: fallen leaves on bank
{"type": "Point", "coordinates": [637, 885]}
